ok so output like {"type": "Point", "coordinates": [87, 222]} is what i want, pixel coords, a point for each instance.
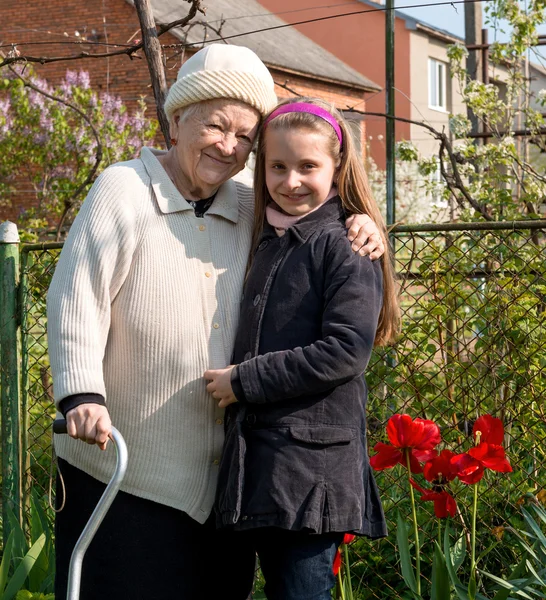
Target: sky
{"type": "Point", "coordinates": [444, 16]}
{"type": "Point", "coordinates": [450, 18]}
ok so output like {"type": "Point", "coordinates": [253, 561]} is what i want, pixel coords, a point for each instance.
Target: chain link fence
{"type": "Point", "coordinates": [37, 406]}
{"type": "Point", "coordinates": [473, 342]}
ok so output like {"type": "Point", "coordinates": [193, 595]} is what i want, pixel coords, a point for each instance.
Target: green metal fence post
{"type": "Point", "coordinates": [9, 374]}
{"type": "Point", "coordinates": [390, 111]}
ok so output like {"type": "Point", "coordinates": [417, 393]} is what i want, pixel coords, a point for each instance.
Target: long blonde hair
{"type": "Point", "coordinates": [353, 189]}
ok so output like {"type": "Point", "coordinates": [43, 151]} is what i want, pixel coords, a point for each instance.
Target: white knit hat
{"type": "Point", "coordinates": [223, 71]}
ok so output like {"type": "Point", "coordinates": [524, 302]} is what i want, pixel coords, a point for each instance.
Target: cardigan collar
{"type": "Point", "coordinates": [170, 200]}
{"type": "Point", "coordinates": [331, 210]}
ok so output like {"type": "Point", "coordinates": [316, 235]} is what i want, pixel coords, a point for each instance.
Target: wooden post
{"type": "Point", "coordinates": [154, 57]}
{"type": "Point", "coordinates": [9, 375]}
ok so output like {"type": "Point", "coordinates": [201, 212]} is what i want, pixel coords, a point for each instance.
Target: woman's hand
{"type": "Point", "coordinates": [365, 235]}
{"type": "Point", "coordinates": [220, 385]}
{"type": "Point", "coordinates": [91, 423]}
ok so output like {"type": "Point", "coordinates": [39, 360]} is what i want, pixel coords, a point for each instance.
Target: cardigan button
{"type": "Point", "coordinates": [263, 245]}
{"type": "Point", "coordinates": [247, 356]}
{"type": "Point", "coordinates": [256, 300]}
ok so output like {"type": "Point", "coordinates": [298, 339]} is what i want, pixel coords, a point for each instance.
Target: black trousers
{"type": "Point", "coordinates": [147, 551]}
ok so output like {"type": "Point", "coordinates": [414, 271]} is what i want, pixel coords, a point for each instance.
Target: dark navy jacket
{"type": "Point", "coordinates": [295, 454]}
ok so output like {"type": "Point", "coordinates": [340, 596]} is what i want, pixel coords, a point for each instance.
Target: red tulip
{"type": "Point", "coordinates": [491, 430]}
{"type": "Point", "coordinates": [471, 465]}
{"type": "Point", "coordinates": [444, 503]}
{"type": "Point", "coordinates": [439, 469]}
{"type": "Point", "coordinates": [469, 470]}
{"type": "Point", "coordinates": [347, 539]}
{"type": "Point", "coordinates": [419, 436]}
{"type": "Point", "coordinates": [492, 457]}
{"type": "Point", "coordinates": [337, 562]}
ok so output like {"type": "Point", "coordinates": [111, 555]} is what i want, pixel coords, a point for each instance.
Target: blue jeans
{"type": "Point", "coordinates": [296, 565]}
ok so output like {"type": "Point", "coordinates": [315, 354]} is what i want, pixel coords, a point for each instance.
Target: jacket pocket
{"type": "Point", "coordinates": [322, 435]}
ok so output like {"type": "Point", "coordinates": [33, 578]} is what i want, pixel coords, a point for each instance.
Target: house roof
{"type": "Point", "coordinates": [417, 24]}
{"type": "Point", "coordinates": [284, 48]}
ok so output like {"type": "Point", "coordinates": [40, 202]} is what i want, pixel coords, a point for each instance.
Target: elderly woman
{"type": "Point", "coordinates": [145, 298]}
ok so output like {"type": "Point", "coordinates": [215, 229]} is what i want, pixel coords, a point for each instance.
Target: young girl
{"type": "Point", "coordinates": [295, 475]}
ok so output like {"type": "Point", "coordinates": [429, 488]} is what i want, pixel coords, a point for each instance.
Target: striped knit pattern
{"type": "Point", "coordinates": [208, 85]}
{"type": "Point", "coordinates": [144, 299]}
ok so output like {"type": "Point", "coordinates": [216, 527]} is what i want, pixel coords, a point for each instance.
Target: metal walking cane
{"type": "Point", "coordinates": [76, 560]}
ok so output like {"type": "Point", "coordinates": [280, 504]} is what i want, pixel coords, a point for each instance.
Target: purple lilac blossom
{"type": "Point", "coordinates": [121, 122]}
{"type": "Point", "coordinates": [36, 99]}
{"type": "Point", "coordinates": [46, 123]}
{"type": "Point", "coordinates": [5, 106]}
{"type": "Point", "coordinates": [111, 103]}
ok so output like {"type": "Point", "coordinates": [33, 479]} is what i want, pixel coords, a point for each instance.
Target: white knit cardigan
{"type": "Point", "coordinates": [144, 299]}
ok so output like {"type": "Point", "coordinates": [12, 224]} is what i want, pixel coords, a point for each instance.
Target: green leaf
{"type": "Point", "coordinates": [487, 551]}
{"type": "Point", "coordinates": [511, 587]}
{"type": "Point", "coordinates": [4, 565]}
{"type": "Point", "coordinates": [405, 559]}
{"type": "Point", "coordinates": [541, 512]}
{"type": "Point", "coordinates": [458, 553]}
{"type": "Point", "coordinates": [20, 545]}
{"type": "Point", "coordinates": [472, 586]}
{"type": "Point", "coordinates": [24, 568]}
{"type": "Point", "coordinates": [535, 527]}
{"type": "Point", "coordinates": [532, 569]}
{"type": "Point", "coordinates": [459, 588]}
{"type": "Point", "coordinates": [440, 577]}
{"type": "Point", "coordinates": [39, 526]}
{"type": "Point", "coordinates": [518, 571]}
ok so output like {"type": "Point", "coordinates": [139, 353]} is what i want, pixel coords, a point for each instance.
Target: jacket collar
{"type": "Point", "coordinates": [329, 212]}
{"type": "Point", "coordinates": [170, 200]}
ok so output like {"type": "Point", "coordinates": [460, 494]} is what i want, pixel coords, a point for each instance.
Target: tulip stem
{"type": "Point", "coordinates": [415, 527]}
{"type": "Point", "coordinates": [473, 541]}
{"type": "Point", "coordinates": [348, 571]}
{"type": "Point", "coordinates": [440, 533]}
{"type": "Point", "coordinates": [340, 581]}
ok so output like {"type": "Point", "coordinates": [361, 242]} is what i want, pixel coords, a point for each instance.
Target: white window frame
{"type": "Point", "coordinates": [437, 85]}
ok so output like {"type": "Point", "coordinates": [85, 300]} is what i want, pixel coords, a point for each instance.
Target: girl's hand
{"type": "Point", "coordinates": [365, 235]}
{"type": "Point", "coordinates": [220, 385]}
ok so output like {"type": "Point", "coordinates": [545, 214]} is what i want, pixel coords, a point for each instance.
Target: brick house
{"type": "Point", "coordinates": [359, 41]}
{"type": "Point", "coordinates": [298, 65]}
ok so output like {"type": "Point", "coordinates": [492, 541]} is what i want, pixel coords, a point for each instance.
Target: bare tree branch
{"type": "Point", "coordinates": [195, 7]}
{"type": "Point", "coordinates": [284, 86]}
{"type": "Point", "coordinates": [16, 57]}
{"type": "Point", "coordinates": [453, 180]}
{"type": "Point", "coordinates": [10, 60]}
{"type": "Point", "coordinates": [154, 57]}
{"type": "Point", "coordinates": [154, 54]}
{"type": "Point", "coordinates": [446, 145]}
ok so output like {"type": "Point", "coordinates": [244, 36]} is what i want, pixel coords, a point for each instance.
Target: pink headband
{"type": "Point", "coordinates": [305, 107]}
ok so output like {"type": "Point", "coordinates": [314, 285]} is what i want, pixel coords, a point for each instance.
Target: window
{"type": "Point", "coordinates": [437, 84]}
